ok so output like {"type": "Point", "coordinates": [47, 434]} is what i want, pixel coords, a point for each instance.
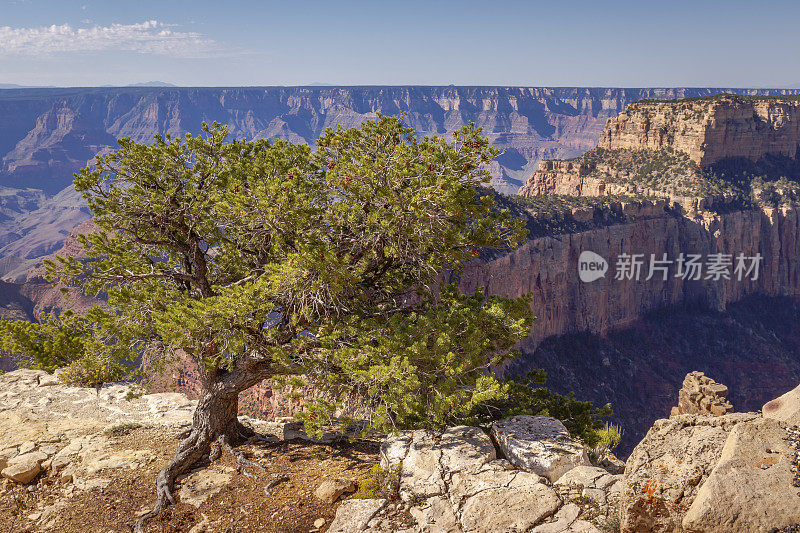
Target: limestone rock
{"type": "Point", "coordinates": [27, 447]}
{"type": "Point", "coordinates": [201, 484]}
{"type": "Point", "coordinates": [702, 395]}
{"type": "Point", "coordinates": [436, 515]}
{"type": "Point", "coordinates": [750, 488]}
{"type": "Point", "coordinates": [539, 444]}
{"type": "Point", "coordinates": [23, 468]}
{"type": "Point", "coordinates": [455, 483]}
{"type": "Point", "coordinates": [48, 380]}
{"type": "Point", "coordinates": [592, 483]}
{"type": "Point", "coordinates": [421, 473]}
{"type": "Point", "coordinates": [590, 477]}
{"type": "Point", "coordinates": [665, 470]}
{"type": "Point", "coordinates": [564, 518]}
{"type": "Point", "coordinates": [6, 455]}
{"type": "Point", "coordinates": [331, 489]}
{"type": "Point", "coordinates": [610, 462]}
{"type": "Point", "coordinates": [785, 407]}
{"type": "Point", "coordinates": [354, 515]}
{"type": "Point", "coordinates": [518, 507]}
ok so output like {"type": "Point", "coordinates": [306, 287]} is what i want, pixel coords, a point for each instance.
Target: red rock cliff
{"type": "Point", "coordinates": [548, 268]}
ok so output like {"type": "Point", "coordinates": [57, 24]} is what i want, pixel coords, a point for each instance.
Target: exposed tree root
{"type": "Point", "coordinates": [276, 480]}
{"type": "Point", "coordinates": [215, 426]}
{"type": "Point", "coordinates": [241, 460]}
{"type": "Point", "coordinates": [190, 451]}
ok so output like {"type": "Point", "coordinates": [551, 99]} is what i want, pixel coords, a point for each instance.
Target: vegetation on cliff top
{"type": "Point", "coordinates": [792, 98]}
{"type": "Point", "coordinates": [771, 181]}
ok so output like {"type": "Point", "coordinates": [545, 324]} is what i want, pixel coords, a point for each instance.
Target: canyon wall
{"type": "Point", "coordinates": [630, 343]}
{"type": "Point", "coordinates": [666, 148]}
{"type": "Point", "coordinates": [709, 129]}
{"type": "Point", "coordinates": [547, 268]}
{"type": "Point", "coordinates": [50, 133]}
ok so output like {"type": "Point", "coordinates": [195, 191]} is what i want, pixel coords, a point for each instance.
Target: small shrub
{"type": "Point", "coordinates": [609, 436]}
{"type": "Point", "coordinates": [381, 484]}
{"type": "Point", "coordinates": [367, 489]}
{"type": "Point", "coordinates": [120, 430]}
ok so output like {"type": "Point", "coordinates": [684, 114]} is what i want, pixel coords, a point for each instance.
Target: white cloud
{"type": "Point", "coordinates": [148, 37]}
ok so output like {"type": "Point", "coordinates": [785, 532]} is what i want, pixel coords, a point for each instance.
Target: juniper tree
{"type": "Point", "coordinates": [267, 259]}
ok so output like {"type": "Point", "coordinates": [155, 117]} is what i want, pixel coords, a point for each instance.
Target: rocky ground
{"type": "Point", "coordinates": [86, 461]}
{"type": "Point", "coordinates": [82, 460]}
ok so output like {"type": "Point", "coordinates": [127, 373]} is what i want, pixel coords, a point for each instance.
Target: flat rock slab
{"type": "Point", "coordinates": [518, 507]}
{"type": "Point", "coordinates": [750, 488]}
{"type": "Point", "coordinates": [354, 515]}
{"type": "Point", "coordinates": [539, 444]}
{"type": "Point", "coordinates": [200, 485]}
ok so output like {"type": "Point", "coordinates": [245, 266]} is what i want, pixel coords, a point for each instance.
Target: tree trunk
{"type": "Point", "coordinates": [214, 424]}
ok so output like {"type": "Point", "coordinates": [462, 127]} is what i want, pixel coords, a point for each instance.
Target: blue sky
{"type": "Point", "coordinates": [403, 42]}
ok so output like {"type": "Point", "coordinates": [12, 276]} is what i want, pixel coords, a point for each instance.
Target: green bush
{"type": "Point", "coordinates": [381, 484]}
{"type": "Point", "coordinates": [63, 341]}
{"type": "Point", "coordinates": [525, 395]}
{"type": "Point", "coordinates": [609, 436]}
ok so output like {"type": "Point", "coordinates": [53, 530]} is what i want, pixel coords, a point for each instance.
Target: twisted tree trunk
{"type": "Point", "coordinates": [214, 425]}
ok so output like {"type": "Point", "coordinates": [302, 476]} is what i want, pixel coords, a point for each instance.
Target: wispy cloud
{"type": "Point", "coordinates": [149, 37]}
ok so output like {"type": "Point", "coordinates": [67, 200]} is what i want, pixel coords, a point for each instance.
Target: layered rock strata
{"type": "Point", "coordinates": [709, 129]}
{"type": "Point", "coordinates": [712, 131]}
{"type": "Point", "coordinates": [701, 395]}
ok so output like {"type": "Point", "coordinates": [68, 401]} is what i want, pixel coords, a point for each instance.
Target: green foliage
{"type": "Point", "coordinates": [68, 340]}
{"type": "Point", "coordinates": [609, 436]}
{"type": "Point", "coordinates": [381, 484]}
{"type": "Point", "coordinates": [525, 395]}
{"type": "Point", "coordinates": [261, 260]}
{"type": "Point", "coordinates": [56, 342]}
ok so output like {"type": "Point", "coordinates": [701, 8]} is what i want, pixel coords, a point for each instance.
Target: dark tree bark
{"type": "Point", "coordinates": [215, 425]}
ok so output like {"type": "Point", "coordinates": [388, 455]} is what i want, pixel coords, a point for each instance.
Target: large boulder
{"type": "Point", "coordinates": [539, 444]}
{"type": "Point", "coordinates": [23, 468]}
{"type": "Point", "coordinates": [785, 407]}
{"type": "Point", "coordinates": [331, 489]}
{"type": "Point", "coordinates": [666, 469]}
{"type": "Point", "coordinates": [751, 487]}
